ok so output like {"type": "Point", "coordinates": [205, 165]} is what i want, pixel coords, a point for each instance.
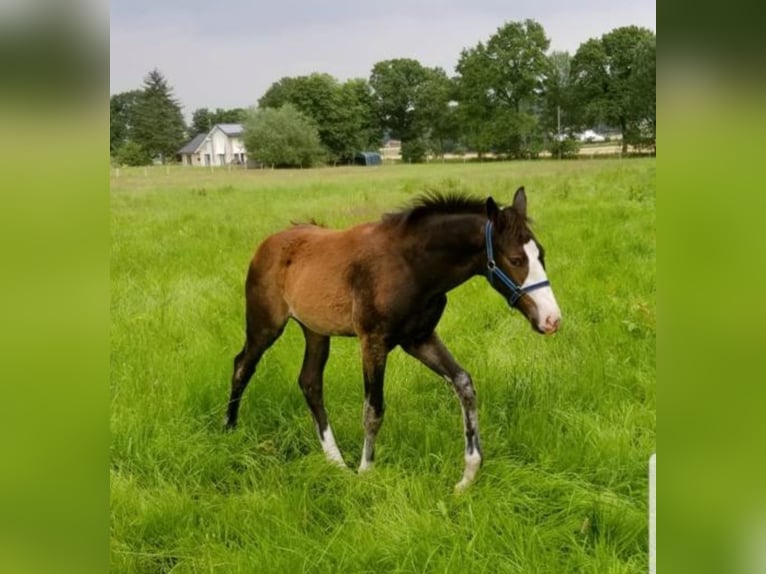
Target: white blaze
{"type": "Point", "coordinates": [542, 297]}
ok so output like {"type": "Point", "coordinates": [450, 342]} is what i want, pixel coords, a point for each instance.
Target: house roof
{"type": "Point", "coordinates": [192, 146]}
{"type": "Point", "coordinates": [231, 129]}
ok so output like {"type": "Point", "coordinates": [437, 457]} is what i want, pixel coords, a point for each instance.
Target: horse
{"type": "Point", "coordinates": [386, 282]}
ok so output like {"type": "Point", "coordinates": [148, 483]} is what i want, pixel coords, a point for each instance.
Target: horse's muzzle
{"type": "Point", "coordinates": [551, 325]}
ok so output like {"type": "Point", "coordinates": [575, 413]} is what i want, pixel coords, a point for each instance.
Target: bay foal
{"type": "Point", "coordinates": [386, 283]}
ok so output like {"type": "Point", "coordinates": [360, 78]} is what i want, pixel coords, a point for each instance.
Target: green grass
{"type": "Point", "coordinates": [567, 422]}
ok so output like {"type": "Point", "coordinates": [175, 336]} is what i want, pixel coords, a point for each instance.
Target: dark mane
{"type": "Point", "coordinates": [437, 203]}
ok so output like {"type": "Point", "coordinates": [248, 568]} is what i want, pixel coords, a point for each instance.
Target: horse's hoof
{"type": "Point", "coordinates": [365, 468]}
{"type": "Point", "coordinates": [338, 462]}
{"type": "Point", "coordinates": [462, 486]}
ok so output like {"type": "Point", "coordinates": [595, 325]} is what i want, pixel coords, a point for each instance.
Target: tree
{"type": "Point", "coordinates": [614, 80]}
{"type": "Point", "coordinates": [396, 84]}
{"type": "Point", "coordinates": [644, 88]}
{"type": "Point", "coordinates": [476, 105]}
{"type": "Point", "coordinates": [414, 150]}
{"type": "Point", "coordinates": [203, 119]}
{"type": "Point", "coordinates": [435, 116]}
{"type": "Point", "coordinates": [131, 153]}
{"type": "Point", "coordinates": [121, 118]}
{"type": "Point", "coordinates": [282, 137]}
{"type": "Point", "coordinates": [557, 116]}
{"type": "Point", "coordinates": [500, 87]}
{"type": "Point", "coordinates": [158, 123]}
{"type": "Point", "coordinates": [359, 97]}
{"type": "Point", "coordinates": [339, 112]}
{"type": "Point", "coordinates": [412, 103]}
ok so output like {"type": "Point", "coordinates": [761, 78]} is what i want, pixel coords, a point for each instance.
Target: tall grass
{"type": "Point", "coordinates": [567, 422]}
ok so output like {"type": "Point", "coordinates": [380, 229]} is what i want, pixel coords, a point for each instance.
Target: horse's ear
{"type": "Point", "coordinates": [520, 202]}
{"type": "Point", "coordinates": [493, 211]}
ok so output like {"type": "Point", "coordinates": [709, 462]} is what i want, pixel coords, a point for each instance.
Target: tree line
{"type": "Point", "coordinates": [509, 96]}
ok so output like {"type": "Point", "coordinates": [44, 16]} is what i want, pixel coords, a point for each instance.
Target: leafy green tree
{"type": "Point", "coordinates": [203, 119]}
{"type": "Point", "coordinates": [500, 87]}
{"type": "Point", "coordinates": [643, 130]}
{"type": "Point", "coordinates": [340, 111]}
{"type": "Point", "coordinates": [158, 125]}
{"type": "Point", "coordinates": [556, 114]}
{"type": "Point", "coordinates": [121, 114]}
{"type": "Point", "coordinates": [476, 102]}
{"type": "Point", "coordinates": [131, 153]}
{"type": "Point", "coordinates": [436, 117]}
{"type": "Point", "coordinates": [413, 105]}
{"type": "Point", "coordinates": [613, 80]}
{"type": "Point", "coordinates": [282, 137]}
{"type": "Point", "coordinates": [396, 85]}
{"type": "Point", "coordinates": [414, 150]}
{"type": "Point", "coordinates": [359, 97]}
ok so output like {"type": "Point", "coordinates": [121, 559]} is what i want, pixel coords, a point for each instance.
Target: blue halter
{"type": "Point", "coordinates": [494, 271]}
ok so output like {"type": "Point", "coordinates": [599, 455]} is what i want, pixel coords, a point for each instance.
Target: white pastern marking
{"type": "Point", "coordinates": [364, 466]}
{"type": "Point", "coordinates": [472, 464]}
{"type": "Point", "coordinates": [543, 297]}
{"type": "Point", "coordinates": [330, 448]}
{"type": "Point", "coordinates": [366, 463]}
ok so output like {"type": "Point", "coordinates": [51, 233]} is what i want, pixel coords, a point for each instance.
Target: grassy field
{"type": "Point", "coordinates": [567, 422]}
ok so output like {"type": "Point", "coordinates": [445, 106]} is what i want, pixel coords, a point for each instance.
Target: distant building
{"type": "Point", "coordinates": [367, 158]}
{"type": "Point", "coordinates": [391, 150]}
{"type": "Point", "coordinates": [222, 145]}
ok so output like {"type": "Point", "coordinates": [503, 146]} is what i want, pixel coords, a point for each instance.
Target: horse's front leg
{"type": "Point", "coordinates": [374, 355]}
{"type": "Point", "coordinates": [434, 355]}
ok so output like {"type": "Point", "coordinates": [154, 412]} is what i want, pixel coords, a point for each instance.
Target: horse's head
{"type": "Point", "coordinates": [516, 264]}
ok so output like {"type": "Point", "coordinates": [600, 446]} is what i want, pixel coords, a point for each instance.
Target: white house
{"type": "Point", "coordinates": [222, 145]}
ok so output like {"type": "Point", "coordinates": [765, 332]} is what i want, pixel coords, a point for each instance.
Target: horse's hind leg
{"type": "Point", "coordinates": [311, 383]}
{"type": "Point", "coordinates": [434, 355]}
{"type": "Point", "coordinates": [262, 331]}
{"type": "Point", "coordinates": [374, 355]}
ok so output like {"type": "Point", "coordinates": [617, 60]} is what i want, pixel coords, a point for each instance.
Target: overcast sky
{"type": "Point", "coordinates": [226, 53]}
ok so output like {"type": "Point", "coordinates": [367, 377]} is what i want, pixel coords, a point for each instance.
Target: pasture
{"type": "Point", "coordinates": [567, 421]}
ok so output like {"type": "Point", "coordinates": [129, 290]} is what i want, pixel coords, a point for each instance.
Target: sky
{"type": "Point", "coordinates": [227, 53]}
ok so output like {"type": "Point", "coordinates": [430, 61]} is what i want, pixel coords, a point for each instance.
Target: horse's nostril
{"type": "Point", "coordinates": [552, 324]}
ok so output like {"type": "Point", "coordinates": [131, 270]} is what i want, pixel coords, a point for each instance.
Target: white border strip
{"type": "Point", "coordinates": [653, 514]}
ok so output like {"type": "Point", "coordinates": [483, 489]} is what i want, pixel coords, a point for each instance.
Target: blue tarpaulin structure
{"type": "Point", "coordinates": [367, 158]}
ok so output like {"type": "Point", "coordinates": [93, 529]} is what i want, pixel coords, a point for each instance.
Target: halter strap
{"type": "Point", "coordinates": [494, 271]}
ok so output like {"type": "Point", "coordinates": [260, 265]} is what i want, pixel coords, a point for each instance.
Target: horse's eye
{"type": "Point", "coordinates": [517, 261]}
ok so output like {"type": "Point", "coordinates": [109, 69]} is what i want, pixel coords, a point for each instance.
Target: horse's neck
{"type": "Point", "coordinates": [450, 249]}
